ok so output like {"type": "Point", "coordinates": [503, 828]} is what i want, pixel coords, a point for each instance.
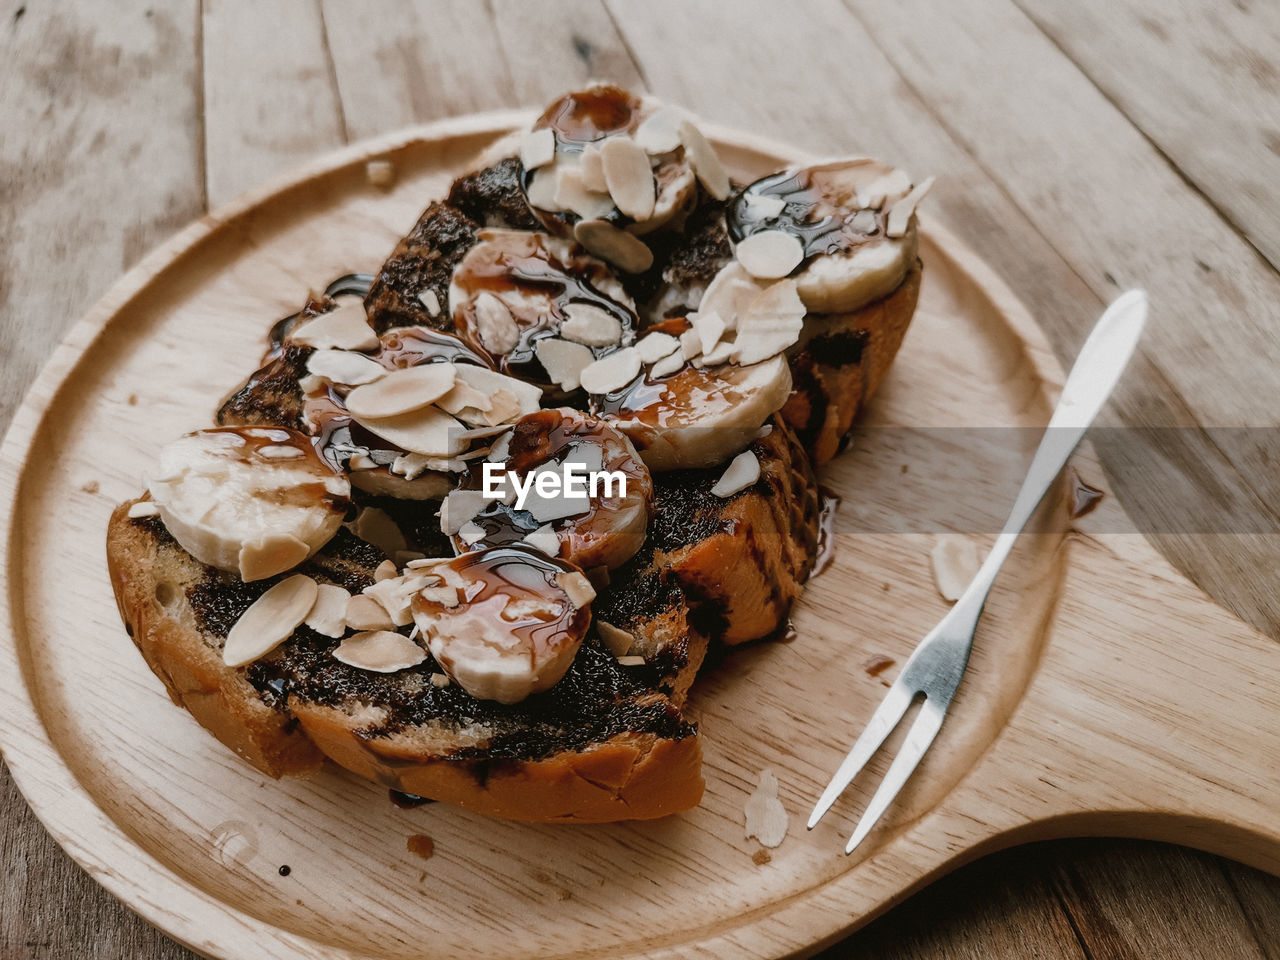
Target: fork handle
{"type": "Point", "coordinates": [1092, 378]}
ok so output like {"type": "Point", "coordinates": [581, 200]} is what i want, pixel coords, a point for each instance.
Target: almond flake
{"type": "Point", "coordinates": [770, 254]}
{"type": "Point", "coordinates": [762, 206]}
{"type": "Point", "coordinates": [495, 324]}
{"type": "Point", "coordinates": [431, 301]}
{"type": "Point", "coordinates": [521, 397]}
{"type": "Point", "coordinates": [445, 596]}
{"type": "Point", "coordinates": [427, 431]}
{"type": "Point", "coordinates": [311, 384]}
{"type": "Point", "coordinates": [544, 539]}
{"type": "Point", "coordinates": [541, 190]}
{"type": "Point", "coordinates": [622, 249]}
{"type": "Point", "coordinates": [572, 194]}
{"type": "Point", "coordinates": [955, 564]}
{"type": "Point", "coordinates": [576, 587]}
{"type": "Point", "coordinates": [379, 651]}
{"type": "Point", "coordinates": [345, 327]}
{"type": "Point", "coordinates": [770, 325]}
{"type": "Point", "coordinates": [629, 177]}
{"type": "Point", "coordinates": [612, 372]}
{"type": "Point", "coordinates": [660, 132]}
{"type": "Point", "coordinates": [499, 451]}
{"type": "Point", "coordinates": [864, 221]}
{"type": "Point", "coordinates": [590, 325]}
{"type": "Point", "coordinates": [401, 391]}
{"type": "Point", "coordinates": [380, 173]}
{"type": "Point", "coordinates": [328, 615]}
{"type": "Point", "coordinates": [464, 396]}
{"type": "Point", "coordinates": [630, 661]}
{"type": "Point", "coordinates": [710, 329]}
{"type": "Point", "coordinates": [887, 188]}
{"type": "Point", "coordinates": [592, 167]}
{"type": "Point", "coordinates": [766, 817]}
{"type": "Point", "coordinates": [764, 431]}
{"type": "Point", "coordinates": [900, 213]}
{"type": "Point", "coordinates": [366, 613]}
{"type": "Point", "coordinates": [344, 366]}
{"type": "Point", "coordinates": [440, 680]}
{"type": "Point", "coordinates": [271, 555]}
{"type": "Point", "coordinates": [723, 351]}
{"type": "Point", "coordinates": [362, 461]}
{"type": "Point", "coordinates": [667, 366]}
{"type": "Point", "coordinates": [385, 571]}
{"type": "Point", "coordinates": [269, 620]}
{"type": "Point", "coordinates": [690, 344]}
{"type": "Point", "coordinates": [654, 346]}
{"type": "Point", "coordinates": [538, 148]}
{"type": "Point", "coordinates": [564, 361]}
{"type": "Point", "coordinates": [730, 293]}
{"type": "Point", "coordinates": [471, 533]}
{"type": "Point", "coordinates": [458, 508]}
{"type": "Point", "coordinates": [742, 472]}
{"type": "Point", "coordinates": [704, 161]}
{"type": "Point", "coordinates": [374, 525]}
{"type": "Point", "coordinates": [616, 640]}
{"type": "Point", "coordinates": [395, 596]}
{"type": "Point", "coordinates": [143, 508]}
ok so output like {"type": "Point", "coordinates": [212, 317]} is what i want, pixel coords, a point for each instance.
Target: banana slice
{"type": "Point", "coordinates": [589, 530]}
{"type": "Point", "coordinates": [504, 622]}
{"type": "Point", "coordinates": [601, 162]}
{"type": "Point", "coordinates": [515, 289]}
{"type": "Point", "coordinates": [844, 230]}
{"type": "Point", "coordinates": [699, 416]}
{"type": "Point", "coordinates": [256, 501]}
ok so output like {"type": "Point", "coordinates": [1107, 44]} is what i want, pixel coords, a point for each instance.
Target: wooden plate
{"type": "Point", "coordinates": [1102, 696]}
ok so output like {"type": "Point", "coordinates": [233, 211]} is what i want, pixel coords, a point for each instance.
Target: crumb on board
{"type": "Point", "coordinates": [761, 857]}
{"type": "Point", "coordinates": [766, 817]}
{"type": "Point", "coordinates": [133, 399]}
{"type": "Point", "coordinates": [563, 895]}
{"type": "Point", "coordinates": [380, 173]}
{"type": "Point", "coordinates": [421, 844]}
{"type": "Point", "coordinates": [90, 487]}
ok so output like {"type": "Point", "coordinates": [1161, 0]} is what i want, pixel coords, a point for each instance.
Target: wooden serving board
{"type": "Point", "coordinates": [1106, 694]}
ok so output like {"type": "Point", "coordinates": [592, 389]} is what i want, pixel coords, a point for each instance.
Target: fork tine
{"type": "Point", "coordinates": [882, 722]}
{"type": "Point", "coordinates": [925, 728]}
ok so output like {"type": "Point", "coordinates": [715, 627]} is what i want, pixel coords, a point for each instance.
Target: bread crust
{"type": "Point", "coordinates": [627, 777]}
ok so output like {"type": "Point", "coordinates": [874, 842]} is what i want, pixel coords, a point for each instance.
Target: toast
{"type": "Point", "coordinates": [719, 387]}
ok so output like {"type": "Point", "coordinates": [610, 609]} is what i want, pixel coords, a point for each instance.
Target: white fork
{"type": "Point", "coordinates": [938, 662]}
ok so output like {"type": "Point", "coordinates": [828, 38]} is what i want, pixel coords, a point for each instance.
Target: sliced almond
{"type": "Point", "coordinates": [900, 213]}
{"type": "Point", "coordinates": [544, 539]}
{"type": "Point", "coordinates": [440, 680]}
{"type": "Point", "coordinates": [564, 361]}
{"type": "Point", "coordinates": [345, 327]}
{"type": "Point", "coordinates": [660, 132]}
{"type": "Point", "coordinates": [770, 325]}
{"type": "Point", "coordinates": [572, 194]}
{"type": "Point", "coordinates": [427, 431]}
{"type": "Point", "coordinates": [592, 167]}
{"type": "Point", "coordinates": [667, 366]}
{"type": "Point", "coordinates": [630, 661]}
{"type": "Point", "coordinates": [864, 221]}
{"type": "Point", "coordinates": [524, 397]}
{"type": "Point", "coordinates": [498, 453]}
{"type": "Point", "coordinates": [538, 148]}
{"type": "Point", "coordinates": [721, 353]}
{"type": "Point", "coordinates": [431, 301]}
{"type": "Point", "coordinates": [374, 525]}
{"type": "Point", "coordinates": [379, 651]}
{"type": "Point", "coordinates": [459, 507]}
{"type": "Point", "coordinates": [401, 391]}
{"type": "Point", "coordinates": [270, 555]}
{"type": "Point", "coordinates": [143, 508]}
{"type": "Point", "coordinates": [766, 817]}
{"type": "Point", "coordinates": [270, 620]}
{"type": "Point", "coordinates": [762, 206]}
{"type": "Point", "coordinates": [624, 250]}
{"type": "Point", "coordinates": [704, 161]}
{"type": "Point", "coordinates": [395, 595]}
{"type": "Point", "coordinates": [955, 564]}
{"type": "Point", "coordinates": [278, 451]}
{"type": "Point", "coordinates": [612, 372]}
{"type": "Point", "coordinates": [576, 587]}
{"type": "Point", "coordinates": [742, 472]}
{"type": "Point", "coordinates": [887, 188]}
{"type": "Point", "coordinates": [495, 324]}
{"type": "Point", "coordinates": [385, 571]}
{"type": "Point", "coordinates": [616, 640]}
{"type": "Point", "coordinates": [629, 177]}
{"type": "Point", "coordinates": [690, 344]}
{"type": "Point", "coordinates": [366, 613]}
{"type": "Point", "coordinates": [464, 396]}
{"type": "Point", "coordinates": [344, 366]}
{"type": "Point", "coordinates": [445, 596]}
{"type": "Point", "coordinates": [730, 293]}
{"type": "Point", "coordinates": [770, 254]}
{"type": "Point", "coordinates": [591, 325]}
{"type": "Point", "coordinates": [471, 533]}
{"type": "Point", "coordinates": [328, 615]}
{"type": "Point", "coordinates": [541, 189]}
{"type": "Point", "coordinates": [652, 347]}
{"type": "Point", "coordinates": [710, 329]}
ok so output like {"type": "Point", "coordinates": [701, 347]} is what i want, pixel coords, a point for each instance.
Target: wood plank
{"type": "Point", "coordinates": [270, 101]}
{"type": "Point", "coordinates": [549, 55]}
{"type": "Point", "coordinates": [106, 164]}
{"type": "Point", "coordinates": [1200, 79]}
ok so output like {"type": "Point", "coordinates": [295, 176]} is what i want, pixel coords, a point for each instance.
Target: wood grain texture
{"type": "Point", "coordinates": [61, 66]}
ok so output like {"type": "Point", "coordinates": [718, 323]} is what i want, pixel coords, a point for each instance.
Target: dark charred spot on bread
{"type": "Point", "coordinates": [493, 197]}
{"type": "Point", "coordinates": [271, 396]}
{"type": "Point", "coordinates": [685, 510]}
{"type": "Point", "coordinates": [684, 261]}
{"type": "Point", "coordinates": [839, 349]}
{"type": "Point", "coordinates": [422, 261]}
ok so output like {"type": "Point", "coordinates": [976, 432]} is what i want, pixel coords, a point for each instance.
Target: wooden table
{"type": "Point", "coordinates": [1083, 147]}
